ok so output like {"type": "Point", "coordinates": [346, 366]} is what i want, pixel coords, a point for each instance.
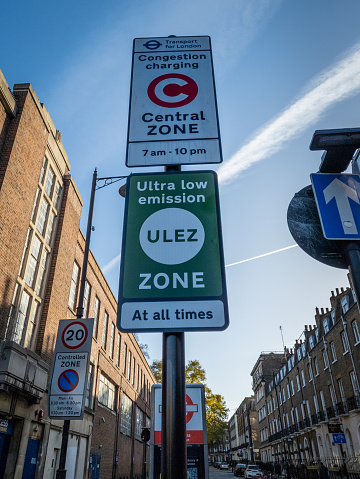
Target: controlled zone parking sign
{"type": "Point", "coordinates": [173, 115]}
{"type": "Point", "coordinates": [172, 267]}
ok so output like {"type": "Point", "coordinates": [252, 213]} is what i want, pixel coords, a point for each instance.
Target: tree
{"type": "Point", "coordinates": [144, 347]}
{"type": "Point", "coordinates": [215, 405]}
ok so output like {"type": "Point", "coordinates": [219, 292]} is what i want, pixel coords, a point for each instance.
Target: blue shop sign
{"type": "Point", "coordinates": [6, 426]}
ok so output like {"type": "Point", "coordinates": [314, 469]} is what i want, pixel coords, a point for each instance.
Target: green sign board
{"type": "Point", "coordinates": [172, 267]}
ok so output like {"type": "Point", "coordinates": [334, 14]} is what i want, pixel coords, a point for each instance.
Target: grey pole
{"type": "Point", "coordinates": [173, 422]}
{"type": "Point", "coordinates": [61, 472]}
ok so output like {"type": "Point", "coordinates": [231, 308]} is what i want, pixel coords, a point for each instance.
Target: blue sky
{"type": "Point", "coordinates": [283, 69]}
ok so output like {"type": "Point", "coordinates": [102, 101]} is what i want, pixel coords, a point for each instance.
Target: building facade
{"type": "Point", "coordinates": [243, 432]}
{"type": "Point", "coordinates": [311, 406]}
{"type": "Point", "coordinates": [41, 257]}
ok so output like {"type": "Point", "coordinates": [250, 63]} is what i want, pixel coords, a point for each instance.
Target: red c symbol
{"type": "Point", "coordinates": [180, 88]}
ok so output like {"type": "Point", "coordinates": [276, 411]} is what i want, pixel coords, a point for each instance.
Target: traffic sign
{"type": "Point", "coordinates": [195, 413]}
{"type": "Point", "coordinates": [68, 380]}
{"type": "Point", "coordinates": [70, 369]}
{"type": "Point", "coordinates": [173, 115]}
{"type": "Point", "coordinates": [172, 267]}
{"type": "Point", "coordinates": [304, 225]}
{"type": "Point", "coordinates": [74, 335]}
{"type": "Point", "coordinates": [339, 438]}
{"type": "Point", "coordinates": [337, 199]}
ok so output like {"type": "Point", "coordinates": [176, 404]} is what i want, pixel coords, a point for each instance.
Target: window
{"type": "Point", "coordinates": [316, 404]}
{"type": "Point", "coordinates": [49, 183]}
{"type": "Point", "coordinates": [112, 341]}
{"type": "Point", "coordinates": [126, 412]}
{"type": "Point", "coordinates": [86, 299]}
{"type": "Point", "coordinates": [345, 341]}
{"type": "Point", "coordinates": [96, 316]}
{"type": "Point", "coordinates": [310, 372]}
{"type": "Point", "coordinates": [118, 351]}
{"type": "Point", "coordinates": [43, 211]}
{"type": "Point", "coordinates": [106, 395]}
{"type": "Point", "coordinates": [89, 387]}
{"type": "Point", "coordinates": [299, 354]}
{"type": "Point", "coordinates": [342, 391]}
{"type": "Point", "coordinates": [73, 286]}
{"type": "Point", "coordinates": [303, 378]}
{"type": "Point", "coordinates": [292, 388]}
{"type": "Point", "coordinates": [33, 262]}
{"type": "Point", "coordinates": [316, 367]}
{"type": "Point", "coordinates": [333, 351]}
{"type": "Point", "coordinates": [354, 383]}
{"type": "Point", "coordinates": [325, 358]}
{"type": "Point", "coordinates": [333, 396]}
{"type": "Point", "coordinates": [345, 303]}
{"type": "Point", "coordinates": [104, 331]}
{"type": "Point", "coordinates": [288, 391]}
{"type": "Point", "coordinates": [322, 399]}
{"type": "Point", "coordinates": [57, 195]}
{"type": "Point", "coordinates": [298, 382]}
{"type": "Point", "coordinates": [138, 423]}
{"type": "Point", "coordinates": [129, 366]}
{"type": "Point", "coordinates": [284, 397]}
{"type": "Point", "coordinates": [355, 331]}
{"type": "Point", "coordinates": [50, 228]}
{"type": "Point", "coordinates": [33, 318]}
{"type": "Point", "coordinates": [42, 270]}
{"type": "Point", "coordinates": [21, 317]}
{"type": "Point", "coordinates": [133, 372]}
{"type": "Point", "coordinates": [326, 325]}
{"type": "Point", "coordinates": [33, 213]}
{"type": "Point", "coordinates": [137, 377]}
{"type": "Point", "coordinates": [311, 341]}
{"type": "Point", "coordinates": [42, 174]}
{"type": "Point", "coordinates": [125, 357]}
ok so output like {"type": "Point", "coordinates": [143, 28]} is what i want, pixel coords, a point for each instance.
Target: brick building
{"type": "Point", "coordinates": [41, 254]}
{"type": "Point", "coordinates": [243, 432]}
{"type": "Point", "coordinates": [314, 392]}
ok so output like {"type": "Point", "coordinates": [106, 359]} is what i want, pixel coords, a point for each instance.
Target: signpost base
{"type": "Point", "coordinates": [173, 431]}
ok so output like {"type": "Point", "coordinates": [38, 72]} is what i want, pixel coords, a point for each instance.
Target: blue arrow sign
{"type": "Point", "coordinates": [337, 199]}
{"type": "Point", "coordinates": [339, 438]}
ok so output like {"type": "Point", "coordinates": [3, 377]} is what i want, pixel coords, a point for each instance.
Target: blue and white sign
{"type": "Point", "coordinates": [339, 438]}
{"type": "Point", "coordinates": [338, 203]}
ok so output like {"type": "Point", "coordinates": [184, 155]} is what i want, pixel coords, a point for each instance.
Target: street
{"type": "Point", "coordinates": [219, 473]}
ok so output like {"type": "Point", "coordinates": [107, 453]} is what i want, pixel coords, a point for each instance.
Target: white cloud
{"type": "Point", "coordinates": [336, 84]}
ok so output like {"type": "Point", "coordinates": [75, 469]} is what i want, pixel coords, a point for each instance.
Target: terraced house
{"type": "Point", "coordinates": [41, 257]}
{"type": "Point", "coordinates": [309, 403]}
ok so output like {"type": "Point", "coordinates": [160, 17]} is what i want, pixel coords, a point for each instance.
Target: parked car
{"type": "Point", "coordinates": [252, 471]}
{"type": "Point", "coordinates": [223, 465]}
{"type": "Point", "coordinates": [239, 469]}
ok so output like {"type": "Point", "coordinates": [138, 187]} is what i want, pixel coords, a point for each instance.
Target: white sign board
{"type": "Point", "coordinates": [173, 115]}
{"type": "Point", "coordinates": [70, 369]}
{"type": "Point", "coordinates": [195, 413]}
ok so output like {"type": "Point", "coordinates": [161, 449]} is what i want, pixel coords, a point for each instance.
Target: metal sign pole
{"type": "Point", "coordinates": [173, 427]}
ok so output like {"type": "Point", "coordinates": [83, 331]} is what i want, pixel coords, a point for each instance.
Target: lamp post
{"type": "Point", "coordinates": [61, 472]}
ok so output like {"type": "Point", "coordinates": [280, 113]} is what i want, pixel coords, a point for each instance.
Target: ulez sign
{"type": "Point", "coordinates": [172, 267]}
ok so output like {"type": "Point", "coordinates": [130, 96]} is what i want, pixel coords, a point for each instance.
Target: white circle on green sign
{"type": "Point", "coordinates": [172, 236]}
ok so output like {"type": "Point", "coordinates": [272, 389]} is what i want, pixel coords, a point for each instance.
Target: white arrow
{"type": "Point", "coordinates": [342, 193]}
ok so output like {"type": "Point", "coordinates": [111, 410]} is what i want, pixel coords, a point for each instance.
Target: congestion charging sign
{"type": "Point", "coordinates": [172, 267]}
{"type": "Point", "coordinates": [173, 115]}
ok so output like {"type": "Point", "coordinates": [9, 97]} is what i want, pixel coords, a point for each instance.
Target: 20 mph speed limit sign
{"type": "Point", "coordinates": [173, 115]}
{"type": "Point", "coordinates": [70, 369]}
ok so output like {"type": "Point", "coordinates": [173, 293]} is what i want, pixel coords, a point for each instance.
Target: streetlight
{"type": "Point", "coordinates": [106, 181]}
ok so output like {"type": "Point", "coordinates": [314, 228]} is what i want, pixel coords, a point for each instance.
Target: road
{"type": "Point", "coordinates": [220, 474]}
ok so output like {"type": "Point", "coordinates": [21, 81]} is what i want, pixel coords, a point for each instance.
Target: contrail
{"type": "Point", "coordinates": [111, 263]}
{"type": "Point", "coordinates": [336, 84]}
{"type": "Point", "coordinates": [261, 255]}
